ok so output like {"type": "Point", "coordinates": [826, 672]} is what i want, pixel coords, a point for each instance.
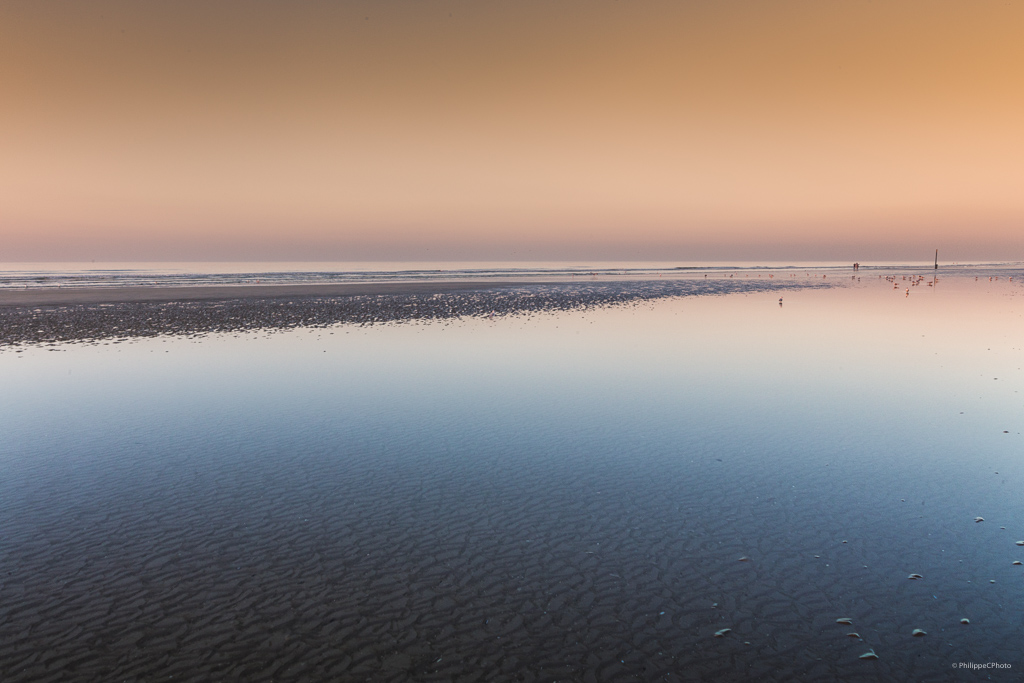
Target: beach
{"type": "Point", "coordinates": [605, 481]}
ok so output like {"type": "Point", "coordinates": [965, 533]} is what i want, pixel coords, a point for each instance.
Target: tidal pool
{"type": "Point", "coordinates": [569, 495]}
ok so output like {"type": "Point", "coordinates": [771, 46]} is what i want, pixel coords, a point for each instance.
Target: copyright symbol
{"type": "Point", "coordinates": [953, 665]}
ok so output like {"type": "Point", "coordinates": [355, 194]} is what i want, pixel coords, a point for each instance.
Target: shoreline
{"type": "Point", "coordinates": [144, 293]}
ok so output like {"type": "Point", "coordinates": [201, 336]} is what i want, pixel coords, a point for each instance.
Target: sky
{"type": "Point", "coordinates": [526, 130]}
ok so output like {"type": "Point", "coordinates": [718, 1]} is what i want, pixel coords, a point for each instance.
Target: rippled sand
{"type": "Point", "coordinates": [421, 568]}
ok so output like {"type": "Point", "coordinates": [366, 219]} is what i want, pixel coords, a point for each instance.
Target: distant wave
{"type": "Point", "coordinates": [15, 276]}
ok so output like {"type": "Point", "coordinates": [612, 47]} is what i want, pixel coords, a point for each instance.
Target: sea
{"type": "Point", "coordinates": [152, 274]}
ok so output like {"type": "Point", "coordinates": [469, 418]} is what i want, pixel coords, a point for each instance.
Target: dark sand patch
{"type": "Point", "coordinates": [72, 296]}
{"type": "Point", "coordinates": [143, 312]}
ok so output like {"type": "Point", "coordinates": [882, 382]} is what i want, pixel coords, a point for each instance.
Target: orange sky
{"type": "Point", "coordinates": [557, 129]}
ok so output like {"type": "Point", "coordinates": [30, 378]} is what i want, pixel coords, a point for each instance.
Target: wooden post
{"type": "Point", "coordinates": [936, 259]}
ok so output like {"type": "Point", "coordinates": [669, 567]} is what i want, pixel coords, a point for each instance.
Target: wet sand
{"type": "Point", "coordinates": [408, 564]}
{"type": "Point", "coordinates": [68, 296]}
{"type": "Point", "coordinates": [55, 316]}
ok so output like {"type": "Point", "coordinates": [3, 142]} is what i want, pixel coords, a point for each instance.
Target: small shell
{"type": "Point", "coordinates": [844, 620]}
{"type": "Point", "coordinates": [744, 559]}
{"type": "Point", "coordinates": [1020, 542]}
{"type": "Point", "coordinates": [979, 519]}
{"type": "Point", "coordinates": [721, 634]}
{"type": "Point", "coordinates": [915, 576]}
{"type": "Point", "coordinates": [1016, 561]}
{"type": "Point", "coordinates": [918, 632]}
{"type": "Point", "coordinates": [853, 635]}
{"type": "Point", "coordinates": [870, 654]}
{"type": "Point", "coordinates": [965, 621]}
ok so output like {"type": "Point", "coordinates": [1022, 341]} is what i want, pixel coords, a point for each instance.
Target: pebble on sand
{"type": "Point", "coordinates": [744, 559]}
{"type": "Point", "coordinates": [870, 654]}
{"type": "Point", "coordinates": [722, 633]}
{"type": "Point", "coordinates": [979, 519]}
{"type": "Point", "coordinates": [1020, 542]}
{"type": "Point", "coordinates": [965, 621]}
{"type": "Point", "coordinates": [1016, 562]}
{"type": "Point", "coordinates": [844, 620]}
{"type": "Point", "coordinates": [918, 632]}
{"type": "Point", "coordinates": [915, 576]}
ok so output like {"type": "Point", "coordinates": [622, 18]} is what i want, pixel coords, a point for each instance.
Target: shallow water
{"type": "Point", "coordinates": [553, 496]}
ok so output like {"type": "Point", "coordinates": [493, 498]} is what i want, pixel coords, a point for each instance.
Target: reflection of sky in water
{"type": "Point", "coordinates": [866, 362]}
{"type": "Point", "coordinates": [885, 387]}
{"type": "Point", "coordinates": [847, 405]}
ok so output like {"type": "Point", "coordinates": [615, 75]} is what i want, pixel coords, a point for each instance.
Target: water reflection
{"type": "Point", "coordinates": [547, 495]}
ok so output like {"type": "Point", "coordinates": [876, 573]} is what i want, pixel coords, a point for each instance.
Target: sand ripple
{"type": "Point", "coordinates": [341, 565]}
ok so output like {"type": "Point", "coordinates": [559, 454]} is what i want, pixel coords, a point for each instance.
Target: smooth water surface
{"type": "Point", "coordinates": [561, 496]}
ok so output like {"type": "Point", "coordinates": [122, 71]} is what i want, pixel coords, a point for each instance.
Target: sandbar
{"type": "Point", "coordinates": [48, 316]}
{"type": "Point", "coordinates": [72, 296]}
